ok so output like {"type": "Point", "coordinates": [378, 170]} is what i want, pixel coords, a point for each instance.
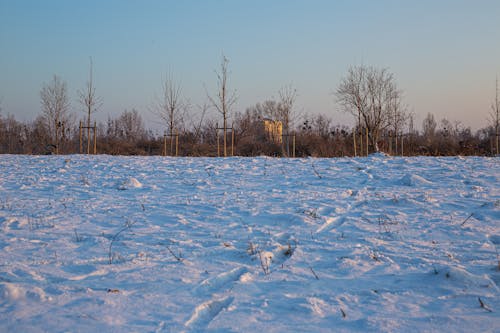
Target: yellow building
{"type": "Point", "coordinates": [273, 130]}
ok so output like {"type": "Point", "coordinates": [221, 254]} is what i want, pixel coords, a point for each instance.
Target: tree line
{"type": "Point", "coordinates": [369, 94]}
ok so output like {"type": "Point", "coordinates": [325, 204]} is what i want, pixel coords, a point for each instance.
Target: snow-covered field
{"type": "Point", "coordinates": [145, 244]}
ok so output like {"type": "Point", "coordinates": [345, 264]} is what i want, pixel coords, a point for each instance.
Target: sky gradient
{"type": "Point", "coordinates": [445, 54]}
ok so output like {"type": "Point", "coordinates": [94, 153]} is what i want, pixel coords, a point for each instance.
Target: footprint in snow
{"type": "Point", "coordinates": [495, 239]}
{"type": "Point", "coordinates": [216, 283]}
{"type": "Point", "coordinates": [206, 312]}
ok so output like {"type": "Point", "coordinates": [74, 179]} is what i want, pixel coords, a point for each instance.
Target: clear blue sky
{"type": "Point", "coordinates": [445, 54]}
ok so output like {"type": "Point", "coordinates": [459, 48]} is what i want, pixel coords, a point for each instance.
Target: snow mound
{"type": "Point", "coordinates": [413, 180]}
{"type": "Point", "coordinates": [14, 292]}
{"type": "Point", "coordinates": [465, 279]}
{"type": "Point", "coordinates": [262, 244]}
{"type": "Point", "coordinates": [130, 184]}
{"type": "Point", "coordinates": [380, 154]}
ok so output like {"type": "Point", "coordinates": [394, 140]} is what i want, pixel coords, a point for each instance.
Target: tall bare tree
{"type": "Point", "coordinates": [495, 117]}
{"type": "Point", "coordinates": [225, 99]}
{"type": "Point", "coordinates": [429, 126]}
{"type": "Point", "coordinates": [287, 96]}
{"type": "Point", "coordinates": [171, 107]}
{"type": "Point", "coordinates": [90, 102]}
{"type": "Point", "coordinates": [368, 93]}
{"type": "Point", "coordinates": [55, 108]}
{"type": "Point", "coordinates": [398, 118]}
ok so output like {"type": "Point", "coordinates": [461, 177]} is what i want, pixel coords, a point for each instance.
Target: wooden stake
{"type": "Point", "coordinates": [95, 138]}
{"type": "Point", "coordinates": [232, 140]}
{"type": "Point", "coordinates": [390, 143]}
{"type": "Point", "coordinates": [402, 145]}
{"type": "Point", "coordinates": [81, 147]}
{"type": "Point", "coordinates": [218, 148]}
{"type": "Point", "coordinates": [367, 141]}
{"type": "Point", "coordinates": [176, 144]}
{"type": "Point", "coordinates": [164, 151]}
{"type": "Point", "coordinates": [354, 140]}
{"type": "Point", "coordinates": [57, 138]}
{"type": "Point", "coordinates": [360, 141]}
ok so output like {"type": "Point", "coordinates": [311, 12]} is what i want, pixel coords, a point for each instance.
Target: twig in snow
{"type": "Point", "coordinates": [178, 257]}
{"type": "Point", "coordinates": [252, 249]}
{"type": "Point", "coordinates": [315, 171]}
{"type": "Point", "coordinates": [484, 306]}
{"type": "Point", "coordinates": [467, 219]}
{"type": "Point", "coordinates": [289, 250]}
{"type": "Point", "coordinates": [78, 237]}
{"type": "Point", "coordinates": [314, 273]}
{"type": "Point", "coordinates": [498, 257]}
{"type": "Point", "coordinates": [128, 225]}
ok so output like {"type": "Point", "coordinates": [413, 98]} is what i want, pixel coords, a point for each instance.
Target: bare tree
{"type": "Point", "coordinates": [55, 108]}
{"type": "Point", "coordinates": [368, 94]}
{"type": "Point", "coordinates": [429, 125]}
{"type": "Point", "coordinates": [171, 107]}
{"type": "Point", "coordinates": [353, 96]}
{"type": "Point", "coordinates": [130, 126]}
{"type": "Point", "coordinates": [398, 118]}
{"type": "Point", "coordinates": [224, 100]}
{"type": "Point", "coordinates": [197, 123]}
{"type": "Point", "coordinates": [287, 96]}
{"type": "Point", "coordinates": [495, 117]}
{"type": "Point", "coordinates": [90, 102]}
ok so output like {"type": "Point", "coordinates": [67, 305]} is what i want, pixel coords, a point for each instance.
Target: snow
{"type": "Point", "coordinates": [153, 244]}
